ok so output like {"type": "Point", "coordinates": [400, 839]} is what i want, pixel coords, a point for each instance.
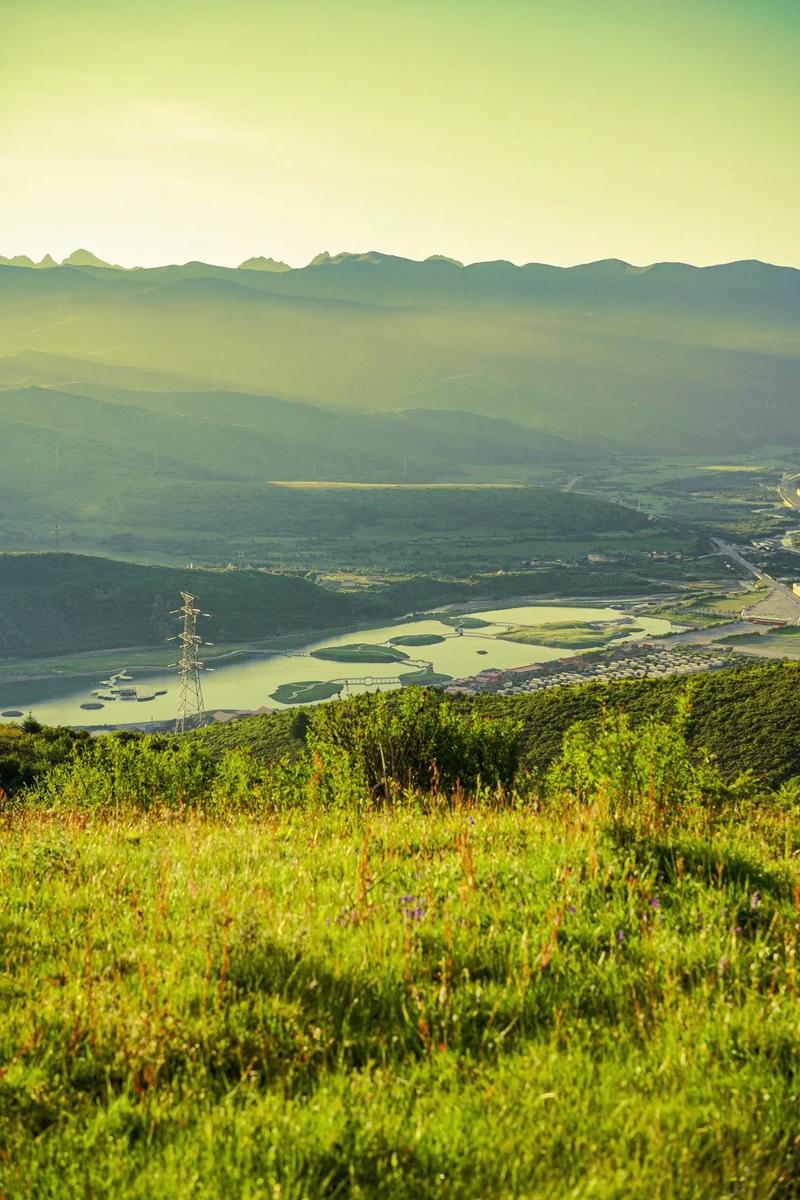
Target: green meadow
{"type": "Point", "coordinates": [400, 965]}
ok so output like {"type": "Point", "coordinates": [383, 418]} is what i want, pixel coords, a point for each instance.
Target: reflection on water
{"type": "Point", "coordinates": [248, 682]}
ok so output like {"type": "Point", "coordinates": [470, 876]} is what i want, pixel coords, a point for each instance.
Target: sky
{"type": "Point", "coordinates": [155, 131]}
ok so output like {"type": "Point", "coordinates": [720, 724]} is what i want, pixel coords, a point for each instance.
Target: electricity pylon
{"type": "Point", "coordinates": [191, 709]}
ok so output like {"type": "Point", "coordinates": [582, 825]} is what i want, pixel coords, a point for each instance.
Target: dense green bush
{"type": "Point", "coordinates": [747, 718]}
{"type": "Point", "coordinates": [414, 738]}
{"type": "Point", "coordinates": [28, 752]}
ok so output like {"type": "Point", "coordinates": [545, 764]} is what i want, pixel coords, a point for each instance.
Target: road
{"type": "Point", "coordinates": [787, 490]}
{"type": "Point", "coordinates": [786, 599]}
{"type": "Point", "coordinates": [714, 633]}
{"type": "Point", "coordinates": [732, 553]}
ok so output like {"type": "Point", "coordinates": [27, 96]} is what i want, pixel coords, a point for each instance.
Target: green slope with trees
{"type": "Point", "coordinates": [746, 717]}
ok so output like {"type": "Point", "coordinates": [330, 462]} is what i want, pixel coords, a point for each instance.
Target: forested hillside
{"type": "Point", "coordinates": [59, 603]}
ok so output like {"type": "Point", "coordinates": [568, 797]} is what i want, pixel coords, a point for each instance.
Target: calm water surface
{"type": "Point", "coordinates": [247, 682]}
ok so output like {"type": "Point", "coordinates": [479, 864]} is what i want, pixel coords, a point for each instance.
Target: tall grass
{"type": "Point", "coordinates": [558, 991]}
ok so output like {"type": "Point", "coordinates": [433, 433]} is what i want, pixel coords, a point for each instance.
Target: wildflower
{"type": "Point", "coordinates": [621, 935]}
{"type": "Point", "coordinates": [572, 909]}
{"type": "Point", "coordinates": [655, 902]}
{"type": "Point", "coordinates": [472, 820]}
{"type": "Point", "coordinates": [414, 908]}
{"type": "Point", "coordinates": [755, 900]}
{"type": "Point", "coordinates": [738, 929]}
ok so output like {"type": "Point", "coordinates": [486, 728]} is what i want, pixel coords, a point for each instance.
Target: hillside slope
{"type": "Point", "coordinates": [748, 718]}
{"type": "Point", "coordinates": [59, 603]}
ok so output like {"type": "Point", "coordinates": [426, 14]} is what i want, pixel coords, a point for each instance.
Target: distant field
{"type": "Point", "coordinates": [775, 643]}
{"type": "Point", "coordinates": [733, 467]}
{"type": "Point", "coordinates": [709, 609]}
{"type": "Point", "coordinates": [413, 487]}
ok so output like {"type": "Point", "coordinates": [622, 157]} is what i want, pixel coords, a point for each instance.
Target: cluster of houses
{"type": "Point", "coordinates": [644, 660]}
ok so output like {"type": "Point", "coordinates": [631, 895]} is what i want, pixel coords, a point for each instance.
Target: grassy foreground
{"type": "Point", "coordinates": [586, 990]}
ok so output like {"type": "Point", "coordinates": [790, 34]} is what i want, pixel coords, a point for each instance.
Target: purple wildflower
{"type": "Point", "coordinates": [738, 929]}
{"type": "Point", "coordinates": [472, 820]}
{"type": "Point", "coordinates": [655, 902]}
{"type": "Point", "coordinates": [414, 908]}
{"type": "Point", "coordinates": [755, 900]}
{"type": "Point", "coordinates": [621, 935]}
{"type": "Point", "coordinates": [572, 909]}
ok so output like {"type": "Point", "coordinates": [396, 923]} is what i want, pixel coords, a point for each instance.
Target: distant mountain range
{"type": "Point", "coordinates": [374, 367]}
{"type": "Point", "coordinates": [78, 258]}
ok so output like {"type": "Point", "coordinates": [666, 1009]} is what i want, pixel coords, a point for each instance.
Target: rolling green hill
{"type": "Point", "coordinates": [57, 603]}
{"type": "Point", "coordinates": [182, 475]}
{"type": "Point", "coordinates": [747, 718]}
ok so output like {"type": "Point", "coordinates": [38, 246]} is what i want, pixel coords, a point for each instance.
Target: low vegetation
{"type": "Point", "coordinates": [747, 717]}
{"type": "Point", "coordinates": [307, 691]}
{"type": "Point", "coordinates": [362, 652]}
{"type": "Point", "coordinates": [425, 677]}
{"type": "Point", "coordinates": [417, 639]}
{"type": "Point", "coordinates": [28, 750]}
{"type": "Point", "coordinates": [399, 965]}
{"type": "Point", "coordinates": [569, 635]}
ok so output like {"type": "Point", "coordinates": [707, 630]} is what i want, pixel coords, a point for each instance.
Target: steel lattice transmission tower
{"type": "Point", "coordinates": [191, 709]}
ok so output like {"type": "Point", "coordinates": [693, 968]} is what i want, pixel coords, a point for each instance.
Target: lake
{"type": "Point", "coordinates": [248, 680]}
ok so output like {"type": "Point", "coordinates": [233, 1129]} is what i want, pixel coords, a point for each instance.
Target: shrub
{"type": "Point", "coordinates": [414, 738]}
{"type": "Point", "coordinates": [645, 774]}
{"type": "Point", "coordinates": [27, 754]}
{"type": "Point", "coordinates": [146, 772]}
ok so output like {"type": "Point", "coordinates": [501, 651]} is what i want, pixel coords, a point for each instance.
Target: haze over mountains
{"type": "Point", "coordinates": [372, 367]}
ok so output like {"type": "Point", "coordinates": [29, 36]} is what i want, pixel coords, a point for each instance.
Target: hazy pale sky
{"type": "Point", "coordinates": [164, 130]}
